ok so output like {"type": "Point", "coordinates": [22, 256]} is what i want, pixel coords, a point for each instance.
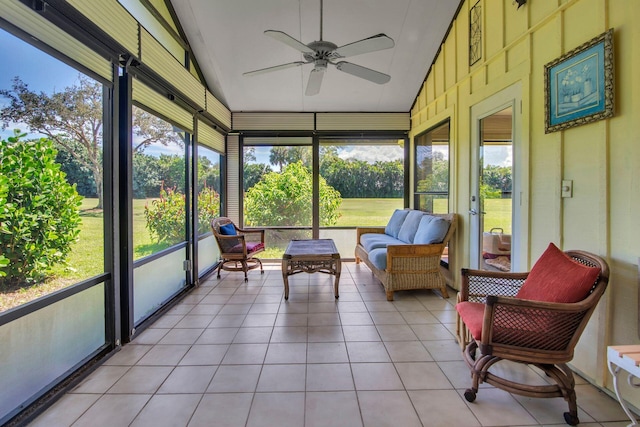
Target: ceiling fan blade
{"type": "Point", "coordinates": [363, 72]}
{"type": "Point", "coordinates": [275, 68]}
{"type": "Point", "coordinates": [372, 44]}
{"type": "Point", "coordinates": [290, 41]}
{"type": "Point", "coordinates": [315, 81]}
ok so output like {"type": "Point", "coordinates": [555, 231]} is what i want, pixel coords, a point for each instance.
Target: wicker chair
{"type": "Point", "coordinates": [542, 334]}
{"type": "Point", "coordinates": [237, 253]}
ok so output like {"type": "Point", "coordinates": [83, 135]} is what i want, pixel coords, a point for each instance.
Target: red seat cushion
{"type": "Point", "coordinates": [472, 314]}
{"type": "Point", "coordinates": [555, 277]}
{"type": "Point", "coordinates": [251, 247]}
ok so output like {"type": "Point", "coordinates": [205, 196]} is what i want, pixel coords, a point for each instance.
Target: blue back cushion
{"type": "Point", "coordinates": [410, 226]}
{"type": "Point", "coordinates": [431, 230]}
{"type": "Point", "coordinates": [395, 222]}
{"type": "Point", "coordinates": [228, 230]}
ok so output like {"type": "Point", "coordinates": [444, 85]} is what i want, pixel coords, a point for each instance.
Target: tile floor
{"type": "Point", "coordinates": [236, 354]}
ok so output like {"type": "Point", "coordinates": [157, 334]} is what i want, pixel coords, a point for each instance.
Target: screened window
{"type": "Point", "coordinates": [278, 190]}
{"type": "Point", "coordinates": [158, 173]}
{"type": "Point", "coordinates": [431, 192]}
{"type": "Point", "coordinates": [51, 177]}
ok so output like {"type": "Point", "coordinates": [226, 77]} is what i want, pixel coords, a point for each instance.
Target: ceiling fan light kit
{"type": "Point", "coordinates": [321, 53]}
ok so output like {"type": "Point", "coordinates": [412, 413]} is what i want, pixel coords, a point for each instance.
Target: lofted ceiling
{"type": "Point", "coordinates": [227, 38]}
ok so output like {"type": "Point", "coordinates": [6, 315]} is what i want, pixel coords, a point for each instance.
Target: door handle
{"type": "Point", "coordinates": [473, 212]}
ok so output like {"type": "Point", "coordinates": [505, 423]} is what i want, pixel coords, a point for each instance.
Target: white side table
{"type": "Point", "coordinates": [624, 357]}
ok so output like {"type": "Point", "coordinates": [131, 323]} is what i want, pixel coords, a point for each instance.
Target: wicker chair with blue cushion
{"type": "Point", "coordinates": [237, 251]}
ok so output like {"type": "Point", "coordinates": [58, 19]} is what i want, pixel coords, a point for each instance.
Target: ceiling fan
{"type": "Point", "coordinates": [321, 53]}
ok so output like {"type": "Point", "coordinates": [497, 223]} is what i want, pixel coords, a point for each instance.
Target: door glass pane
{"type": "Point", "coordinates": [496, 160]}
{"type": "Point", "coordinates": [51, 177]}
{"type": "Point", "coordinates": [432, 170]}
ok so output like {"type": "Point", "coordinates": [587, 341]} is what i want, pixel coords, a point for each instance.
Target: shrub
{"type": "Point", "coordinates": [285, 199]}
{"type": "Point", "coordinates": [166, 215]}
{"type": "Point", "coordinates": [39, 210]}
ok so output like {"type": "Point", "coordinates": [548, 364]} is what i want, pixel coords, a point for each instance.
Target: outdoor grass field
{"type": "Point", "coordinates": [87, 256]}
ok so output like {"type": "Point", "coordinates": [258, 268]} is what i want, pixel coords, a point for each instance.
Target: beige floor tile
{"type": "Point", "coordinates": [388, 318]}
{"type": "Point", "coordinates": [128, 355]}
{"type": "Point", "coordinates": [113, 410]}
{"type": "Point", "coordinates": [216, 407]}
{"type": "Point", "coordinates": [410, 305]}
{"type": "Point", "coordinates": [198, 321]}
{"type": "Point", "coordinates": [376, 376]}
{"type": "Point", "coordinates": [227, 321]}
{"type": "Point", "coordinates": [253, 335]}
{"type": "Point", "coordinates": [550, 411]}
{"type": "Point", "coordinates": [387, 408]}
{"type": "Point", "coordinates": [141, 379]}
{"type": "Point", "coordinates": [355, 319]}
{"type": "Point", "coordinates": [205, 354]}
{"type": "Point", "coordinates": [323, 319]}
{"type": "Point", "coordinates": [367, 351]}
{"type": "Point", "coordinates": [101, 380]}
{"type": "Point", "coordinates": [325, 333]}
{"type": "Point", "coordinates": [65, 411]}
{"type": "Point", "coordinates": [281, 378]}
{"type": "Point", "coordinates": [432, 331]}
{"type": "Point", "coordinates": [286, 353]}
{"type": "Point", "coordinates": [261, 308]}
{"type": "Point", "coordinates": [329, 377]}
{"type": "Point", "coordinates": [322, 307]}
{"type": "Point", "coordinates": [164, 355]}
{"type": "Point", "coordinates": [380, 305]}
{"type": "Point", "coordinates": [167, 410]}
{"type": "Point", "coordinates": [396, 332]}
{"type": "Point", "coordinates": [289, 334]}
{"type": "Point", "coordinates": [188, 379]}
{"type": "Point", "coordinates": [330, 352]}
{"type": "Point", "coordinates": [292, 319]}
{"type": "Point", "coordinates": [442, 408]}
{"type": "Point", "coordinates": [204, 309]}
{"type": "Point", "coordinates": [332, 409]}
{"type": "Point", "coordinates": [494, 407]}
{"type": "Point", "coordinates": [181, 336]}
{"type": "Point", "coordinates": [419, 317]}
{"type": "Point", "coordinates": [422, 376]}
{"type": "Point", "coordinates": [444, 350]}
{"type": "Point", "coordinates": [217, 336]}
{"type": "Point", "coordinates": [167, 321]}
{"type": "Point", "coordinates": [457, 372]}
{"type": "Point", "coordinates": [352, 307]}
{"type": "Point", "coordinates": [408, 351]}
{"type": "Point", "coordinates": [277, 409]}
{"type": "Point", "coordinates": [235, 379]}
{"type": "Point", "coordinates": [245, 354]}
{"type": "Point", "coordinates": [361, 333]}
{"type": "Point", "coordinates": [599, 405]}
{"type": "Point", "coordinates": [150, 336]}
{"type": "Point", "coordinates": [235, 309]}
{"type": "Point", "coordinates": [258, 320]}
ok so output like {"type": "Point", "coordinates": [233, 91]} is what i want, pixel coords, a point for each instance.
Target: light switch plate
{"type": "Point", "coordinates": [567, 188]}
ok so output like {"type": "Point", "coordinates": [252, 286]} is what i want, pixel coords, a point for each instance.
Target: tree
{"type": "Point", "coordinates": [285, 199]}
{"type": "Point", "coordinates": [73, 120]}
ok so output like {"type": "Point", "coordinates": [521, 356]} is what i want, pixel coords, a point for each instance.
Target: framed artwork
{"type": "Point", "coordinates": [578, 86]}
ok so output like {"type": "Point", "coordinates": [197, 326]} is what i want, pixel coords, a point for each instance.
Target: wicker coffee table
{"type": "Point", "coordinates": [311, 256]}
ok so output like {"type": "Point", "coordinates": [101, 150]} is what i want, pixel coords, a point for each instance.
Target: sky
{"type": "Point", "coordinates": [40, 71]}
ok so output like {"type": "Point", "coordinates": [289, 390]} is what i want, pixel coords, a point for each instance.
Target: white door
{"type": "Point", "coordinates": [496, 213]}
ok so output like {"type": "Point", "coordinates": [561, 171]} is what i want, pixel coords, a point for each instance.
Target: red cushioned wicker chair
{"type": "Point", "coordinates": [495, 325]}
{"type": "Point", "coordinates": [237, 252]}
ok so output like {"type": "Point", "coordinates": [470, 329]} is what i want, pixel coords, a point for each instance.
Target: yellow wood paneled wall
{"type": "Point", "coordinates": [602, 158]}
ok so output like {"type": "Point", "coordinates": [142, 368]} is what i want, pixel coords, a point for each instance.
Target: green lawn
{"type": "Point", "coordinates": [87, 256]}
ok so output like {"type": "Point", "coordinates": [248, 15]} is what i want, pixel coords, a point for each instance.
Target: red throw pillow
{"type": "Point", "coordinates": [555, 277]}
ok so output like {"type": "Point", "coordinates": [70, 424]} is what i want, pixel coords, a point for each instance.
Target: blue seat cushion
{"type": "Point", "coordinates": [431, 230]}
{"type": "Point", "coordinates": [410, 226]}
{"type": "Point", "coordinates": [378, 258]}
{"type": "Point", "coordinates": [395, 222]}
{"type": "Point", "coordinates": [370, 241]}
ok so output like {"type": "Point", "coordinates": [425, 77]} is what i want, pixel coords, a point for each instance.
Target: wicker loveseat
{"type": "Point", "coordinates": [406, 254]}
